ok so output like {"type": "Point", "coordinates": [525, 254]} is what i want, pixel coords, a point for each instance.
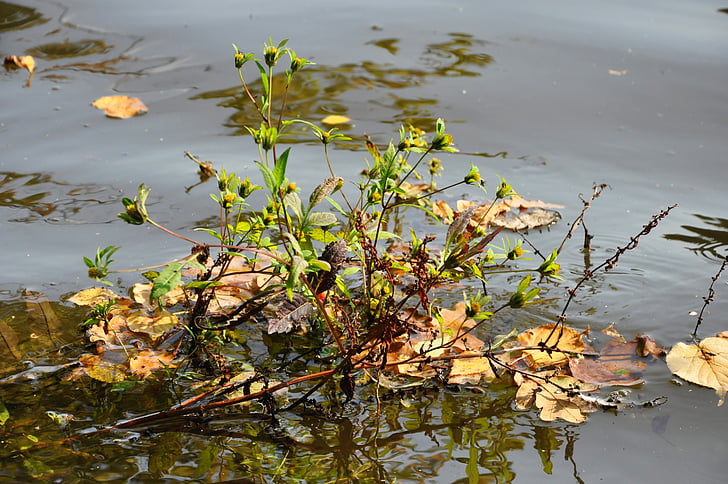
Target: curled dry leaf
{"type": "Point", "coordinates": [704, 364]}
{"type": "Point", "coordinates": [514, 213]}
{"type": "Point", "coordinates": [25, 61]}
{"type": "Point", "coordinates": [120, 106]}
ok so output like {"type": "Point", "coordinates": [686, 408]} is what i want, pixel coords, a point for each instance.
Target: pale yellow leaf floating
{"type": "Point", "coordinates": [550, 397]}
{"type": "Point", "coordinates": [120, 106]}
{"type": "Point", "coordinates": [614, 72]}
{"type": "Point", "coordinates": [335, 119]}
{"type": "Point", "coordinates": [469, 371]}
{"type": "Point", "coordinates": [704, 364]}
{"type": "Point", "coordinates": [566, 339]}
{"type": "Point", "coordinates": [93, 296]}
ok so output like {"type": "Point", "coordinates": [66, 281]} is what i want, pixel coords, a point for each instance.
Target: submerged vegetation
{"type": "Point", "coordinates": [351, 304]}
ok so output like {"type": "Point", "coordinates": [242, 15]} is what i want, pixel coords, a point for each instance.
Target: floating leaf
{"type": "Point", "coordinates": [335, 119]}
{"type": "Point", "coordinates": [613, 72]}
{"type": "Point", "coordinates": [120, 106]}
{"type": "Point", "coordinates": [470, 370]}
{"type": "Point", "coordinates": [550, 396]}
{"type": "Point", "coordinates": [42, 319]}
{"type": "Point", "coordinates": [92, 296]}
{"type": "Point", "coordinates": [146, 361]}
{"type": "Point", "coordinates": [155, 326]}
{"type": "Point", "coordinates": [10, 341]}
{"type": "Point", "coordinates": [704, 364]}
{"type": "Point", "coordinates": [566, 339]}
{"type": "Point", "coordinates": [102, 370]}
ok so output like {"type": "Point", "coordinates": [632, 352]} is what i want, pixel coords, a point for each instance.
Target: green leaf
{"type": "Point", "coordinates": [167, 280]}
{"type": "Point", "coordinates": [279, 171]}
{"type": "Point", "coordinates": [321, 235]}
{"type": "Point", "coordinates": [203, 284]}
{"type": "Point", "coordinates": [268, 177]}
{"type": "Point", "coordinates": [293, 201]}
{"type": "Point", "coordinates": [211, 232]}
{"type": "Point", "coordinates": [298, 265]}
{"type": "Point", "coordinates": [322, 219]}
{"type": "Point", "coordinates": [263, 76]}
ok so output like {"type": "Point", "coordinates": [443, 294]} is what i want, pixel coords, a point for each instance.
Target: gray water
{"type": "Point", "coordinates": [552, 96]}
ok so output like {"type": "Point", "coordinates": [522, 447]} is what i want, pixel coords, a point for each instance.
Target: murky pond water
{"type": "Point", "coordinates": [552, 96]}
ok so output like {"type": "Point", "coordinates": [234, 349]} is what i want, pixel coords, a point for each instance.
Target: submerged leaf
{"type": "Point", "coordinates": [704, 364]}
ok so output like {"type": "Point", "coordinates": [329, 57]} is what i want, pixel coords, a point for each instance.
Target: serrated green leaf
{"type": "Point", "coordinates": [167, 280]}
{"type": "Point", "coordinates": [322, 219]}
{"type": "Point", "coordinates": [267, 177]}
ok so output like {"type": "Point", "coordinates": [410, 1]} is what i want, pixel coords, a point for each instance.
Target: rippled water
{"type": "Point", "coordinates": [554, 97]}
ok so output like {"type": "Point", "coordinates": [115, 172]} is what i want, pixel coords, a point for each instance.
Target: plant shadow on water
{"type": "Point", "coordinates": [709, 239]}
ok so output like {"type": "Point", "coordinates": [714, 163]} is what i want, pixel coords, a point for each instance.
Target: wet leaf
{"type": "Point", "coordinates": [335, 119]}
{"type": "Point", "coordinates": [290, 312]}
{"type": "Point", "coordinates": [93, 296]}
{"type": "Point", "coordinates": [470, 370]}
{"type": "Point", "coordinates": [647, 346]}
{"type": "Point", "coordinates": [155, 326]}
{"type": "Point", "coordinates": [514, 213]}
{"type": "Point", "coordinates": [42, 319]}
{"type": "Point", "coordinates": [10, 341]}
{"type": "Point", "coordinates": [598, 373]}
{"type": "Point", "coordinates": [146, 361]}
{"type": "Point", "coordinates": [704, 364]}
{"type": "Point", "coordinates": [552, 399]}
{"type": "Point", "coordinates": [120, 106]}
{"type": "Point", "coordinates": [102, 370]}
{"type": "Point", "coordinates": [565, 338]}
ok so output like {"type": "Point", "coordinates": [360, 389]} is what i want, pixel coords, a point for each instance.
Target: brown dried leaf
{"type": "Point", "coordinates": [599, 373]}
{"type": "Point", "coordinates": [568, 339]}
{"type": "Point", "coordinates": [704, 364]}
{"type": "Point", "coordinates": [554, 402]}
{"type": "Point", "coordinates": [120, 106]}
{"type": "Point", "coordinates": [647, 346]}
{"type": "Point", "coordinates": [612, 332]}
{"type": "Point", "coordinates": [10, 341]}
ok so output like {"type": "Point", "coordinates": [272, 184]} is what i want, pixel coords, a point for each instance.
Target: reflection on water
{"type": "Point", "coordinates": [65, 48]}
{"type": "Point", "coordinates": [709, 240]}
{"type": "Point", "coordinates": [321, 90]}
{"type": "Point", "coordinates": [16, 17]}
{"type": "Point", "coordinates": [29, 197]}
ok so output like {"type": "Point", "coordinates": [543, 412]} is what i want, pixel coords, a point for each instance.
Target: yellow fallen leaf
{"type": "Point", "coordinates": [155, 326]}
{"type": "Point", "coordinates": [335, 119]}
{"type": "Point", "coordinates": [120, 106]}
{"type": "Point", "coordinates": [93, 296]}
{"type": "Point", "coordinates": [469, 371]}
{"type": "Point", "coordinates": [704, 364]}
{"type": "Point", "coordinates": [613, 72]}
{"type": "Point", "coordinates": [565, 339]}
